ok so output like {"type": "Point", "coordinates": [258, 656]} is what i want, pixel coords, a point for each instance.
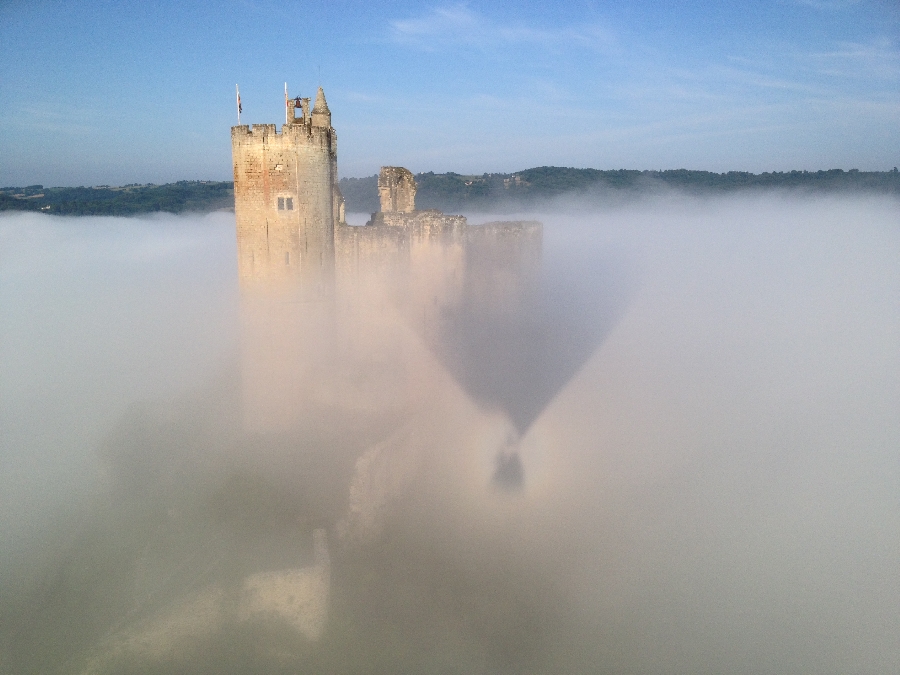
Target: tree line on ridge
{"type": "Point", "coordinates": [452, 192]}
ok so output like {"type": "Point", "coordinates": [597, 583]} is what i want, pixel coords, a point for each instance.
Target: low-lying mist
{"type": "Point", "coordinates": [702, 395]}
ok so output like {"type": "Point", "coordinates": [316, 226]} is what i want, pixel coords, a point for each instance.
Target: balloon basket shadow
{"type": "Point", "coordinates": [507, 462]}
{"type": "Point", "coordinates": [509, 472]}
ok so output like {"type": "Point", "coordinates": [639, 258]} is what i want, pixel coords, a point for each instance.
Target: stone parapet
{"type": "Point", "coordinates": [429, 218]}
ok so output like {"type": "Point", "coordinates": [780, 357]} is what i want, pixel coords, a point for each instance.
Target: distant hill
{"type": "Point", "coordinates": [452, 192]}
{"type": "Point", "coordinates": [103, 200]}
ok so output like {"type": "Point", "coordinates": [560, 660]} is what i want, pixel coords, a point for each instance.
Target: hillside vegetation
{"type": "Point", "coordinates": [451, 192]}
{"type": "Point", "coordinates": [524, 189]}
{"type": "Point", "coordinates": [103, 200]}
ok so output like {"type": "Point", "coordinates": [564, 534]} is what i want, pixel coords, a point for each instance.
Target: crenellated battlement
{"type": "Point", "coordinates": [298, 131]}
{"type": "Point", "coordinates": [263, 129]}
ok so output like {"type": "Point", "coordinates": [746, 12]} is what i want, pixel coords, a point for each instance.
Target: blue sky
{"type": "Point", "coordinates": [121, 92]}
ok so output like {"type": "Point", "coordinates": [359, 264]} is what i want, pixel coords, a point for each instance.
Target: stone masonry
{"type": "Point", "coordinates": [396, 189]}
{"type": "Point", "coordinates": [286, 199]}
{"type": "Point", "coordinates": [291, 231]}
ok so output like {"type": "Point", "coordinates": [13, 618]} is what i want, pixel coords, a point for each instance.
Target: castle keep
{"type": "Point", "coordinates": [325, 303]}
{"type": "Point", "coordinates": [286, 198]}
{"type": "Point", "coordinates": [291, 229]}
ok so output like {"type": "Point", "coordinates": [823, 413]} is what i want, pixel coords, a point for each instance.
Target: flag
{"type": "Point", "coordinates": [286, 106]}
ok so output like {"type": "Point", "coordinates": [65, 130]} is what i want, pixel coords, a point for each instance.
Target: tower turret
{"type": "Point", "coordinates": [321, 115]}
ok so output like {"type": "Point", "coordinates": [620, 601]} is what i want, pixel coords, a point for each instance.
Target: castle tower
{"type": "Point", "coordinates": [287, 205]}
{"type": "Point", "coordinates": [286, 198]}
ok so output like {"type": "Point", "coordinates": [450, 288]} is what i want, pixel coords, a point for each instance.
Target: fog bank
{"type": "Point", "coordinates": [711, 485]}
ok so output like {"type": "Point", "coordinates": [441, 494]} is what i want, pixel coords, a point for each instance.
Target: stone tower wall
{"type": "Point", "coordinates": [286, 198]}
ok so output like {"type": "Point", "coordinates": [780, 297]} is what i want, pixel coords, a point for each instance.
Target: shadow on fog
{"type": "Point", "coordinates": [206, 495]}
{"type": "Point", "coordinates": [517, 356]}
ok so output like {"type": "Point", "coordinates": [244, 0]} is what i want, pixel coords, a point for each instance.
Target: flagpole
{"type": "Point", "coordinates": [285, 103]}
{"type": "Point", "coordinates": [237, 93]}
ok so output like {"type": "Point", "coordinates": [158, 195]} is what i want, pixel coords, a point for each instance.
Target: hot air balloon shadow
{"type": "Point", "coordinates": [523, 327]}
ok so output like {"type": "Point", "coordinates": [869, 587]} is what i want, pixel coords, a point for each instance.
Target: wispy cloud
{"type": "Point", "coordinates": [879, 59]}
{"type": "Point", "coordinates": [843, 68]}
{"type": "Point", "coordinates": [460, 25]}
{"type": "Point", "coordinates": [829, 5]}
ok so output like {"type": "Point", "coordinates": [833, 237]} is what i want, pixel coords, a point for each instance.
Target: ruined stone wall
{"type": "Point", "coordinates": [396, 189]}
{"type": "Point", "coordinates": [429, 219]}
{"type": "Point", "coordinates": [362, 251]}
{"type": "Point", "coordinates": [416, 263]}
{"type": "Point", "coordinates": [503, 265]}
{"type": "Point", "coordinates": [394, 242]}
